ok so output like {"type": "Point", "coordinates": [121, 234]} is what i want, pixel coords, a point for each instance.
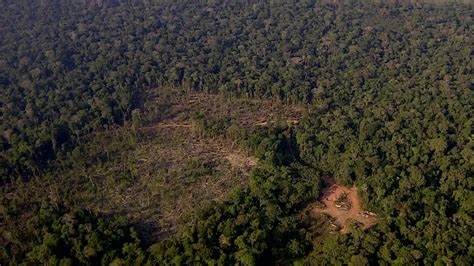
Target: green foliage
{"type": "Point", "coordinates": [213, 128]}
{"type": "Point", "coordinates": [389, 86]}
{"type": "Point", "coordinates": [255, 225]}
{"type": "Point", "coordinates": [59, 236]}
{"type": "Point", "coordinates": [85, 65]}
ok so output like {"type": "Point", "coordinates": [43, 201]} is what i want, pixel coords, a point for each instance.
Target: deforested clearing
{"type": "Point", "coordinates": [344, 205]}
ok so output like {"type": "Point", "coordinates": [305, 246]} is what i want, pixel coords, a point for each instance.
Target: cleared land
{"type": "Point", "coordinates": [344, 205]}
{"type": "Point", "coordinates": [177, 169]}
{"type": "Point", "coordinates": [169, 172]}
{"type": "Point", "coordinates": [161, 171]}
{"type": "Point", "coordinates": [247, 113]}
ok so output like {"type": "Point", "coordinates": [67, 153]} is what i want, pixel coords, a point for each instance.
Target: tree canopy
{"type": "Point", "coordinates": [388, 89]}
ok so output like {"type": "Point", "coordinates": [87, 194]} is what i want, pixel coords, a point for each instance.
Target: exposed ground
{"type": "Point", "coordinates": [343, 215]}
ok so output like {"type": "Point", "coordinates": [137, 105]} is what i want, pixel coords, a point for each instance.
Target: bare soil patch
{"type": "Point", "coordinates": [344, 205]}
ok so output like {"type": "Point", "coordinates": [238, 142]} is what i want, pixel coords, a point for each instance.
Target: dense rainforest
{"type": "Point", "coordinates": [388, 92]}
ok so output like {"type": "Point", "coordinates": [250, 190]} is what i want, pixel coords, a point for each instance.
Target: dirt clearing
{"type": "Point", "coordinates": [344, 206]}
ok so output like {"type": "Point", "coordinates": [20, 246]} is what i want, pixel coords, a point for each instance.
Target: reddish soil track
{"type": "Point", "coordinates": [344, 217]}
